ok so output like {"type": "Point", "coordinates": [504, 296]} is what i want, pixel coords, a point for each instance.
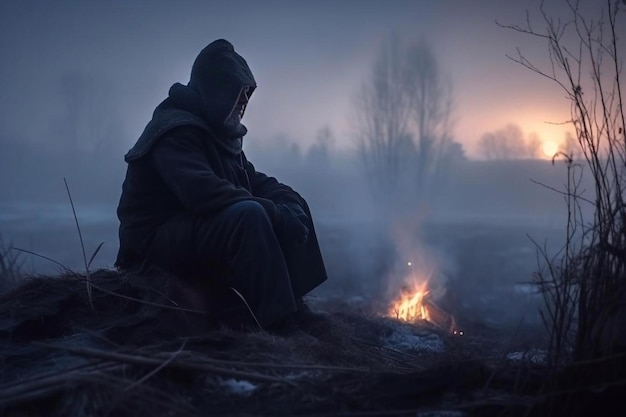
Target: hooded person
{"type": "Point", "coordinates": [194, 206]}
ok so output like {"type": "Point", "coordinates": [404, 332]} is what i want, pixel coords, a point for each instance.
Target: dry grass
{"type": "Point", "coordinates": [136, 353]}
{"type": "Point", "coordinates": [10, 267]}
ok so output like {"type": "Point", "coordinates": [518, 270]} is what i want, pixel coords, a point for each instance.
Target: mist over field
{"type": "Point", "coordinates": [72, 106]}
{"type": "Point", "coordinates": [475, 232]}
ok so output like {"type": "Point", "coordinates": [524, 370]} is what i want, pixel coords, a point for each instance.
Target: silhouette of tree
{"type": "Point", "coordinates": [403, 116]}
{"type": "Point", "coordinates": [319, 153]}
{"type": "Point", "coordinates": [584, 289]}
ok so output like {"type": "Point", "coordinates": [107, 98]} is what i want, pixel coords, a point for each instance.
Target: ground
{"type": "Point", "coordinates": [119, 347]}
{"type": "Point", "coordinates": [128, 352]}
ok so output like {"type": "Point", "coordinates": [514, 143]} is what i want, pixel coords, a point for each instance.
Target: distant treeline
{"type": "Point", "coordinates": [333, 181]}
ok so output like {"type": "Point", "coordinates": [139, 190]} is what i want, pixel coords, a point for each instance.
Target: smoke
{"type": "Point", "coordinates": [417, 263]}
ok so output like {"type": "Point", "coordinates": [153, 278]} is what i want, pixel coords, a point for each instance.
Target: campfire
{"type": "Point", "coordinates": [409, 305]}
{"type": "Point", "coordinates": [414, 303]}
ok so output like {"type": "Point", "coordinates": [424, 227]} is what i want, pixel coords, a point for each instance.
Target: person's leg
{"type": "Point", "coordinates": [243, 236]}
{"type": "Point", "coordinates": [236, 248]}
{"type": "Point", "coordinates": [304, 262]}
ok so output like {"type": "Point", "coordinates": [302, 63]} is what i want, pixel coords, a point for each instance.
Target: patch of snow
{"type": "Point", "coordinates": [526, 289]}
{"type": "Point", "coordinates": [405, 338]}
{"type": "Point", "coordinates": [356, 299]}
{"type": "Point", "coordinates": [300, 375]}
{"type": "Point", "coordinates": [237, 386]}
{"type": "Point", "coordinates": [536, 356]}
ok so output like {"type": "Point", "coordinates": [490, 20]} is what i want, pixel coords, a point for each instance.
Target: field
{"type": "Point", "coordinates": [129, 355]}
{"type": "Point", "coordinates": [480, 266]}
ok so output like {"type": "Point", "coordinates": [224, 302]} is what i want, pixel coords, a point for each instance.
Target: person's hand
{"type": "Point", "coordinates": [292, 223]}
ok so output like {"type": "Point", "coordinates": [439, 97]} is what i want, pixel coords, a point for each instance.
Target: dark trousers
{"type": "Point", "coordinates": [238, 249]}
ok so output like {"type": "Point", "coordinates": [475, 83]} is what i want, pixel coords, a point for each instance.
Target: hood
{"type": "Point", "coordinates": [218, 76]}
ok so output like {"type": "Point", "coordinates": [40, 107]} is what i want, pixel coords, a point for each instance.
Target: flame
{"type": "Point", "coordinates": [408, 306]}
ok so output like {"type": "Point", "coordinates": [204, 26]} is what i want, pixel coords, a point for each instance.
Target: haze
{"type": "Point", "coordinates": [83, 78]}
{"type": "Point", "coordinates": [308, 58]}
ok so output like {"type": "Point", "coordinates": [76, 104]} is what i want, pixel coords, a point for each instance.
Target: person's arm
{"type": "Point", "coordinates": [290, 220]}
{"type": "Point", "coordinates": [179, 159]}
{"type": "Point", "coordinates": [270, 188]}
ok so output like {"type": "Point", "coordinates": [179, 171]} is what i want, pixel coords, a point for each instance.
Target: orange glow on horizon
{"type": "Point", "coordinates": [549, 148]}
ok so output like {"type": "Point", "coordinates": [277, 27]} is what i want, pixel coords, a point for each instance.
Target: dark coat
{"type": "Point", "coordinates": [184, 161]}
{"type": "Point", "coordinates": [187, 171]}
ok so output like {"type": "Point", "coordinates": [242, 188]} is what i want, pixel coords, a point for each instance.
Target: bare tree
{"type": "Point", "coordinates": [431, 105]}
{"type": "Point", "coordinates": [89, 111]}
{"type": "Point", "coordinates": [403, 116]}
{"type": "Point", "coordinates": [89, 135]}
{"type": "Point", "coordinates": [585, 292]}
{"type": "Point", "coordinates": [319, 152]}
{"type": "Point", "coordinates": [534, 145]}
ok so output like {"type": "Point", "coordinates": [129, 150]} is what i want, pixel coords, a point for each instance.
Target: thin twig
{"type": "Point", "coordinates": [564, 193]}
{"type": "Point", "coordinates": [157, 369]}
{"type": "Point", "coordinates": [150, 303]}
{"type": "Point", "coordinates": [65, 268]}
{"type": "Point", "coordinates": [82, 246]}
{"type": "Point", "coordinates": [93, 255]}
{"type": "Point", "coordinates": [17, 390]}
{"type": "Point", "coordinates": [176, 363]}
{"type": "Point", "coordinates": [240, 295]}
{"type": "Point", "coordinates": [281, 365]}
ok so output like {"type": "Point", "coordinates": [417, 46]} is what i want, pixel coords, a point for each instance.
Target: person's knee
{"type": "Point", "coordinates": [242, 225]}
{"type": "Point", "coordinates": [249, 214]}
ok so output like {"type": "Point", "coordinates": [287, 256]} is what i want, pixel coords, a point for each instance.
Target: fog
{"type": "Point", "coordinates": [473, 237]}
{"type": "Point", "coordinates": [80, 80]}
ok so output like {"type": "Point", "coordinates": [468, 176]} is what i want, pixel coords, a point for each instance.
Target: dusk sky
{"type": "Point", "coordinates": [308, 57]}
